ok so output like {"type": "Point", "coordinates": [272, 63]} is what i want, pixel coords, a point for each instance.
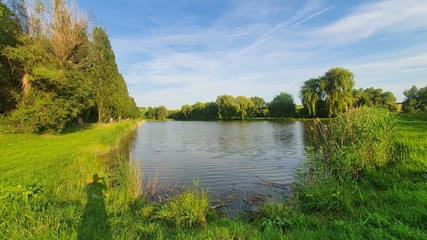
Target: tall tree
{"type": "Point", "coordinates": [56, 64]}
{"type": "Point", "coordinates": [9, 73]}
{"type": "Point", "coordinates": [19, 7]}
{"type": "Point", "coordinates": [337, 84]}
{"type": "Point", "coordinates": [310, 94]}
{"type": "Point", "coordinates": [104, 73]}
{"type": "Point", "coordinates": [331, 94]}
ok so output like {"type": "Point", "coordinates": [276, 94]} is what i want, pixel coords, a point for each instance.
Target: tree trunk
{"type": "Point", "coordinates": [26, 85]}
{"type": "Point", "coordinates": [99, 116]}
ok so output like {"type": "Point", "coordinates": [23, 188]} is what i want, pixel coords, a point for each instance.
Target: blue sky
{"type": "Point", "coordinates": [179, 52]}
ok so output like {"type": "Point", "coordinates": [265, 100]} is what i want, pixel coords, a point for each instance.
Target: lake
{"type": "Point", "coordinates": [227, 157]}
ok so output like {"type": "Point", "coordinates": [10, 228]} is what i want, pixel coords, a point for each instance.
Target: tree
{"type": "Point", "coordinates": [228, 107]}
{"type": "Point", "coordinates": [245, 107]}
{"type": "Point", "coordinates": [337, 84]}
{"type": "Point", "coordinates": [150, 113]}
{"type": "Point", "coordinates": [198, 111]}
{"type": "Point", "coordinates": [211, 111]}
{"type": "Point", "coordinates": [374, 97]}
{"type": "Point", "coordinates": [54, 71]}
{"type": "Point", "coordinates": [330, 94]}
{"type": "Point", "coordinates": [9, 79]}
{"type": "Point", "coordinates": [104, 74]}
{"type": "Point", "coordinates": [310, 94]}
{"type": "Point", "coordinates": [161, 113]}
{"type": "Point", "coordinates": [415, 99]}
{"type": "Point", "coordinates": [259, 107]}
{"type": "Point", "coordinates": [186, 111]}
{"type": "Point", "coordinates": [282, 106]}
{"type": "Point", "coordinates": [19, 8]}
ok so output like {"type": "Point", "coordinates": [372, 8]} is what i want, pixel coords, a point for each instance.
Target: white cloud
{"type": "Point", "coordinates": [373, 18]}
{"type": "Point", "coordinates": [174, 66]}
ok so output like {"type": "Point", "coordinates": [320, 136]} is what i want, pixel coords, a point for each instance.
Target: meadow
{"type": "Point", "coordinates": [64, 187]}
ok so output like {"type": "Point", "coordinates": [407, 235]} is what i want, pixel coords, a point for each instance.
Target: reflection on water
{"type": "Point", "coordinates": [224, 156]}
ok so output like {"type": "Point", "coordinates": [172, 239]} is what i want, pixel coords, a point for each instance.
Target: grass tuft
{"type": "Point", "coordinates": [189, 208]}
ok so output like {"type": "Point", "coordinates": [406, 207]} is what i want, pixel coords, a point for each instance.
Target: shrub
{"type": "Point", "coordinates": [187, 209]}
{"type": "Point", "coordinates": [38, 113]}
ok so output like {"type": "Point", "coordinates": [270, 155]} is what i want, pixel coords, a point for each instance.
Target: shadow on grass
{"type": "Point", "coordinates": [94, 223]}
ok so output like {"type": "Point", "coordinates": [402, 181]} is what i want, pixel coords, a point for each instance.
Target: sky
{"type": "Point", "coordinates": [180, 52]}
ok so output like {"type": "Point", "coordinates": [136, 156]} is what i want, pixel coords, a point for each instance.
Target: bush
{"type": "Point", "coordinates": [36, 114]}
{"type": "Point", "coordinates": [187, 209]}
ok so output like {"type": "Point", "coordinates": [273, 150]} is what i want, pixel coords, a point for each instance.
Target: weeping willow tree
{"type": "Point", "coordinates": [338, 84]}
{"type": "Point", "coordinates": [310, 93]}
{"type": "Point", "coordinates": [329, 94]}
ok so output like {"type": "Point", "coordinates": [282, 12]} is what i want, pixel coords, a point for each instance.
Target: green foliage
{"type": "Point", "coordinates": [310, 94]}
{"type": "Point", "coordinates": [359, 140]}
{"type": "Point", "coordinates": [371, 97]}
{"type": "Point", "coordinates": [364, 135]}
{"type": "Point", "coordinates": [282, 106]}
{"type": "Point", "coordinates": [337, 83]}
{"type": "Point", "coordinates": [10, 87]}
{"type": "Point", "coordinates": [161, 113]}
{"type": "Point", "coordinates": [149, 113]}
{"type": "Point", "coordinates": [234, 108]}
{"type": "Point", "coordinates": [259, 108]}
{"type": "Point", "coordinates": [64, 76]}
{"type": "Point", "coordinates": [416, 100]}
{"type": "Point", "coordinates": [19, 193]}
{"type": "Point", "coordinates": [245, 107]}
{"type": "Point", "coordinates": [188, 208]}
{"type": "Point", "coordinates": [38, 113]}
{"type": "Point", "coordinates": [329, 94]}
{"type": "Point", "coordinates": [227, 106]}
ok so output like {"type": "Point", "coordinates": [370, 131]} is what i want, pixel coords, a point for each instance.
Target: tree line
{"type": "Point", "coordinates": [55, 71]}
{"type": "Point", "coordinates": [324, 96]}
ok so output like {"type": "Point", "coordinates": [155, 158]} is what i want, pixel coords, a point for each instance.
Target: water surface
{"type": "Point", "coordinates": [225, 157]}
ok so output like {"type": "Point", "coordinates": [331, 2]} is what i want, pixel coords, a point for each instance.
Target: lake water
{"type": "Point", "coordinates": [226, 157]}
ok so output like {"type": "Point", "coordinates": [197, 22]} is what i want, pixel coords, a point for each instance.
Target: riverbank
{"type": "Point", "coordinates": [57, 187]}
{"type": "Point", "coordinates": [44, 179]}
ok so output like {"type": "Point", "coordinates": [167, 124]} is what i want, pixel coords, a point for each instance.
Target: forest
{"type": "Point", "coordinates": [56, 71]}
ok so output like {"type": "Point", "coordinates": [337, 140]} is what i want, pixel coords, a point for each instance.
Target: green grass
{"type": "Point", "coordinates": [57, 187]}
{"type": "Point", "coordinates": [388, 202]}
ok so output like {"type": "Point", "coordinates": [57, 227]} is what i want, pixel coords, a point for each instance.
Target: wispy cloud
{"type": "Point", "coordinates": [262, 51]}
{"type": "Point", "coordinates": [392, 16]}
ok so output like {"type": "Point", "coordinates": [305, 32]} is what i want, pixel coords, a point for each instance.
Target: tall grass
{"type": "Point", "coordinates": [361, 139]}
{"type": "Point", "coordinates": [189, 208]}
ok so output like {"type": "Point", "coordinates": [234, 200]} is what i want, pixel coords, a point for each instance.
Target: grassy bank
{"type": "Point", "coordinates": [44, 179]}
{"type": "Point", "coordinates": [387, 202]}
{"type": "Point", "coordinates": [57, 187]}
